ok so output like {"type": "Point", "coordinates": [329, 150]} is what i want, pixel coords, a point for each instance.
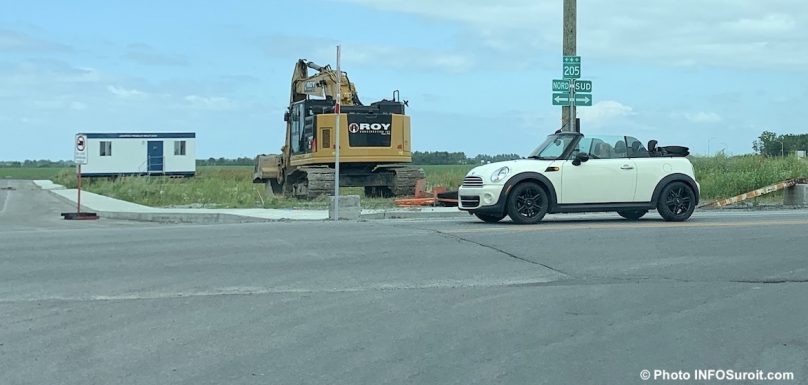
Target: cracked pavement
{"type": "Point", "coordinates": [583, 299]}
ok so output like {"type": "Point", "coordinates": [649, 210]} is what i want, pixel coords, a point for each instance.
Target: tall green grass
{"type": "Point", "coordinates": [449, 176]}
{"type": "Point", "coordinates": [31, 172]}
{"type": "Point", "coordinates": [212, 187]}
{"type": "Point", "coordinates": [721, 176]}
{"type": "Point", "coordinates": [231, 186]}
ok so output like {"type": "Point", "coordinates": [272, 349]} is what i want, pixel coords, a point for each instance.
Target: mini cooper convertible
{"type": "Point", "coordinates": [571, 173]}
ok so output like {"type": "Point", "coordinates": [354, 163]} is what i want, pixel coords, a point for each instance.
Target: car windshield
{"type": "Point", "coordinates": [553, 147]}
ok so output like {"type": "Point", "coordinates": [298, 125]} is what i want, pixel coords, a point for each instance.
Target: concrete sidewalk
{"type": "Point", "coordinates": [112, 208]}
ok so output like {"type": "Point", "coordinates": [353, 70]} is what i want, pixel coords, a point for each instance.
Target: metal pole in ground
{"type": "Point", "coordinates": [78, 190]}
{"type": "Point", "coordinates": [569, 26]}
{"type": "Point", "coordinates": [571, 106]}
{"type": "Point", "coordinates": [338, 134]}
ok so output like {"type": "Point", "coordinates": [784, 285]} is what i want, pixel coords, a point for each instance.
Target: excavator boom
{"type": "Point", "coordinates": [323, 84]}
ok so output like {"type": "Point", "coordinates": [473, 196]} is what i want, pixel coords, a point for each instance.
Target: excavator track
{"type": "Point", "coordinates": [311, 182]}
{"type": "Point", "coordinates": [405, 180]}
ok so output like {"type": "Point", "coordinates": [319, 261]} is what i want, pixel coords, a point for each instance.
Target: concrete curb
{"type": "Point", "coordinates": [150, 214]}
{"type": "Point", "coordinates": [396, 214]}
{"type": "Point", "coordinates": [189, 218]}
{"type": "Point", "coordinates": [197, 218]}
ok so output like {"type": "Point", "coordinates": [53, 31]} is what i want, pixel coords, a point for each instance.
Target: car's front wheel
{"type": "Point", "coordinates": [488, 218]}
{"type": "Point", "coordinates": [527, 203]}
{"type": "Point", "coordinates": [677, 202]}
{"type": "Point", "coordinates": [632, 215]}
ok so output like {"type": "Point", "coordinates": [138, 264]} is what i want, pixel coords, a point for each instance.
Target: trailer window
{"type": "Point", "coordinates": [105, 148]}
{"type": "Point", "coordinates": [179, 147]}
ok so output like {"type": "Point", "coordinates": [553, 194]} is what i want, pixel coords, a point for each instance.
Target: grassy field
{"type": "Point", "coordinates": [721, 176]}
{"type": "Point", "coordinates": [212, 187]}
{"type": "Point", "coordinates": [231, 186]}
{"type": "Point", "coordinates": [30, 172]}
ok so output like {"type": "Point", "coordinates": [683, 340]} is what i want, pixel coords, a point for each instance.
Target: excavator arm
{"type": "Point", "coordinates": [322, 84]}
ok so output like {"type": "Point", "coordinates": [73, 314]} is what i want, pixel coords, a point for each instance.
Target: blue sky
{"type": "Point", "coordinates": [477, 74]}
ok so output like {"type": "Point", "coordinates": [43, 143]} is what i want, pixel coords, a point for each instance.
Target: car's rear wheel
{"type": "Point", "coordinates": [676, 202]}
{"type": "Point", "coordinates": [632, 215]}
{"type": "Point", "coordinates": [489, 218]}
{"type": "Point", "coordinates": [527, 203]}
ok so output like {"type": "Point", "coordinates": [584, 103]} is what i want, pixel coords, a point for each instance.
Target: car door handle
{"type": "Point", "coordinates": [627, 167]}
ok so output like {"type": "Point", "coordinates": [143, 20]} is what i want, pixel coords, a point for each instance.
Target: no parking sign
{"type": "Point", "coordinates": [80, 154]}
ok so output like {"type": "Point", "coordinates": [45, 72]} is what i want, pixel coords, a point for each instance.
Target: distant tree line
{"type": "Point", "coordinates": [242, 161]}
{"type": "Point", "coordinates": [771, 144]}
{"type": "Point", "coordinates": [41, 163]}
{"type": "Point", "coordinates": [444, 157]}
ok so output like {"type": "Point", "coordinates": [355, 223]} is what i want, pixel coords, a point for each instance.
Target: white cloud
{"type": "Point", "coordinates": [604, 112]}
{"type": "Point", "coordinates": [322, 50]}
{"type": "Point", "coordinates": [78, 106]}
{"type": "Point", "coordinates": [699, 117]}
{"type": "Point", "coordinates": [406, 57]}
{"type": "Point", "coordinates": [216, 103]}
{"type": "Point", "coordinates": [768, 24]}
{"type": "Point", "coordinates": [21, 42]}
{"type": "Point", "coordinates": [147, 55]}
{"type": "Point", "coordinates": [726, 33]}
{"type": "Point", "coordinates": [126, 93]}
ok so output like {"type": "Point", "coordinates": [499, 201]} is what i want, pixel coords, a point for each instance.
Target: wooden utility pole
{"type": "Point", "coordinates": [570, 16]}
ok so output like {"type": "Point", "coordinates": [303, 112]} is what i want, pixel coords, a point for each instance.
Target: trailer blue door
{"type": "Point", "coordinates": [155, 156]}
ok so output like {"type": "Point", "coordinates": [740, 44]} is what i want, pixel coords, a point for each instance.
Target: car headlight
{"type": "Point", "coordinates": [500, 174]}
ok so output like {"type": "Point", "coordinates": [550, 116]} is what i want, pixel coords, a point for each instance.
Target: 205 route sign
{"type": "Point", "coordinates": [571, 67]}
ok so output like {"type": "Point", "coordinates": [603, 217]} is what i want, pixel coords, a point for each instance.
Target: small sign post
{"type": "Point", "coordinates": [80, 158]}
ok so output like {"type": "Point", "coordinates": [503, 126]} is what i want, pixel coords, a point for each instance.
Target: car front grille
{"type": "Point", "coordinates": [469, 201]}
{"type": "Point", "coordinates": [472, 181]}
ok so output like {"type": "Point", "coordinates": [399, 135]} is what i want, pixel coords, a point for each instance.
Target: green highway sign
{"type": "Point", "coordinates": [563, 99]}
{"type": "Point", "coordinates": [571, 67]}
{"type": "Point", "coordinates": [564, 85]}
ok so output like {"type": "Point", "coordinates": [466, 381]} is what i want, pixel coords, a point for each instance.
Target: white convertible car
{"type": "Point", "coordinates": [571, 172]}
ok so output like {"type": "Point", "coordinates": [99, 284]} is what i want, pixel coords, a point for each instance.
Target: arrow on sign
{"type": "Point", "coordinates": [560, 99]}
{"type": "Point", "coordinates": [564, 100]}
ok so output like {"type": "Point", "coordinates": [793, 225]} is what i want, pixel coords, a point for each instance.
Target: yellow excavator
{"type": "Point", "coordinates": [374, 141]}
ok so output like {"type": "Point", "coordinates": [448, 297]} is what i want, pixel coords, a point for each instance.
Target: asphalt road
{"type": "Point", "coordinates": [573, 300]}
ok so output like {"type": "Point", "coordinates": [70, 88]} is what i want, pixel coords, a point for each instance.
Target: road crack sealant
{"type": "Point", "coordinates": [773, 281]}
{"type": "Point", "coordinates": [494, 248]}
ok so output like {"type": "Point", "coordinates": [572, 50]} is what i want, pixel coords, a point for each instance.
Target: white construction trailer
{"type": "Point", "coordinates": [120, 154]}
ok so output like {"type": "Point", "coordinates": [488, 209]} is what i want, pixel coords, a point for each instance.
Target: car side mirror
{"type": "Point", "coordinates": [285, 116]}
{"type": "Point", "coordinates": [580, 158]}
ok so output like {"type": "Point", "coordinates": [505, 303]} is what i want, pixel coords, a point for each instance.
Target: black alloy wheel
{"type": "Point", "coordinates": [527, 203]}
{"type": "Point", "coordinates": [677, 202]}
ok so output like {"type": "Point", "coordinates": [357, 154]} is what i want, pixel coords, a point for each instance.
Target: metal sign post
{"type": "Point", "coordinates": [572, 106]}
{"type": "Point", "coordinates": [80, 158]}
{"type": "Point", "coordinates": [336, 130]}
{"type": "Point", "coordinates": [78, 189]}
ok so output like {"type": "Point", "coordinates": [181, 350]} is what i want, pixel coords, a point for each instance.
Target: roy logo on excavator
{"type": "Point", "coordinates": [355, 128]}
